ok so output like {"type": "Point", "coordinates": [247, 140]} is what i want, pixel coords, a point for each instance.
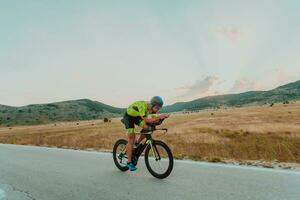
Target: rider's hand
{"type": "Point", "coordinates": [161, 117]}
{"type": "Point", "coordinates": [164, 116]}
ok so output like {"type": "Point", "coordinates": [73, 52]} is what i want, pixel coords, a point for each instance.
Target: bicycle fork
{"type": "Point", "coordinates": [154, 150]}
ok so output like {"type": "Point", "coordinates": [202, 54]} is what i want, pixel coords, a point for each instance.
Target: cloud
{"type": "Point", "coordinates": [199, 88]}
{"type": "Point", "coordinates": [214, 85]}
{"type": "Point", "coordinates": [232, 33]}
{"type": "Point", "coordinates": [243, 85]}
{"type": "Point", "coordinates": [284, 76]}
{"type": "Point", "coordinates": [271, 80]}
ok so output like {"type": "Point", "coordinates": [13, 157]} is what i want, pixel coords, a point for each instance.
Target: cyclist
{"type": "Point", "coordinates": [137, 114]}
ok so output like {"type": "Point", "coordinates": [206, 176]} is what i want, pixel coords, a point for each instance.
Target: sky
{"type": "Point", "coordinates": [118, 52]}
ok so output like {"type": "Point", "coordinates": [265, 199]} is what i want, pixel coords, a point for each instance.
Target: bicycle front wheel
{"type": "Point", "coordinates": [159, 159]}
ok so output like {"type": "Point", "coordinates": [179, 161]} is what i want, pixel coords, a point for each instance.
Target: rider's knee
{"type": "Point", "coordinates": [131, 139]}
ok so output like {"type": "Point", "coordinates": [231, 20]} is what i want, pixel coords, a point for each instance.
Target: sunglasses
{"type": "Point", "coordinates": [157, 107]}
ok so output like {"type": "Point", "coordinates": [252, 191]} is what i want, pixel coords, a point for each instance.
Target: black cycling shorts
{"type": "Point", "coordinates": [130, 122]}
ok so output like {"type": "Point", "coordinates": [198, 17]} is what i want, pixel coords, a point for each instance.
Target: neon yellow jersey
{"type": "Point", "coordinates": [139, 109]}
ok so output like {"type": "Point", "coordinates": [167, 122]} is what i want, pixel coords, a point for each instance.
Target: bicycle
{"type": "Point", "coordinates": [157, 153]}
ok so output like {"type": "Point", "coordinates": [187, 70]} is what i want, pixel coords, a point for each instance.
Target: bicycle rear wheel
{"type": "Point", "coordinates": [119, 155]}
{"type": "Point", "coordinates": [159, 159]}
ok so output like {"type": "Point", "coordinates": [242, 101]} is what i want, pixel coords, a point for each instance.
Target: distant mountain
{"type": "Point", "coordinates": [83, 109]}
{"type": "Point", "coordinates": [283, 93]}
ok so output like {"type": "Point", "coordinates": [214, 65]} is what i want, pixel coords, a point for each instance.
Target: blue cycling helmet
{"type": "Point", "coordinates": [157, 101]}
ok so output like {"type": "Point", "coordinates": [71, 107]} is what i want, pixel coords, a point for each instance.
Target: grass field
{"type": "Point", "coordinates": [247, 133]}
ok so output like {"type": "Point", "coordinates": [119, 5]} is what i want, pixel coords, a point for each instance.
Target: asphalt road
{"type": "Point", "coordinates": [40, 173]}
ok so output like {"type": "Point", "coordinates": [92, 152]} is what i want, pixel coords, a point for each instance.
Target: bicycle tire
{"type": "Point", "coordinates": [170, 156]}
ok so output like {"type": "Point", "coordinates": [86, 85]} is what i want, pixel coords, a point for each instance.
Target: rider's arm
{"type": "Point", "coordinates": [151, 120]}
{"type": "Point", "coordinates": [154, 119]}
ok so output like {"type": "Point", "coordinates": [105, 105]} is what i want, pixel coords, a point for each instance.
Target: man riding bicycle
{"type": "Point", "coordinates": [137, 114]}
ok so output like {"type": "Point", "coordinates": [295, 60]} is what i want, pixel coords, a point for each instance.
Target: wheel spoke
{"type": "Point", "coordinates": [121, 152]}
{"type": "Point", "coordinates": [158, 159]}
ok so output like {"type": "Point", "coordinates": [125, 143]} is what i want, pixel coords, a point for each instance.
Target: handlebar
{"type": "Point", "coordinates": [155, 129]}
{"type": "Point", "coordinates": [152, 127]}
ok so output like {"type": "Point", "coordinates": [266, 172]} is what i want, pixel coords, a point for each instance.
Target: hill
{"type": "Point", "coordinates": [283, 93]}
{"type": "Point", "coordinates": [83, 109]}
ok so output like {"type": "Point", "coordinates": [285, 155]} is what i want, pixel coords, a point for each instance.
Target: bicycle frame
{"type": "Point", "coordinates": [149, 141]}
{"type": "Point", "coordinates": [137, 152]}
{"type": "Point", "coordinates": [140, 149]}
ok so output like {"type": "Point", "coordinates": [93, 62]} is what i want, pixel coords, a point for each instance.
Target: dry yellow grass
{"type": "Point", "coordinates": [248, 133]}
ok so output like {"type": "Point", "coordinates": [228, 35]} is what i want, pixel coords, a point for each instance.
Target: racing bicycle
{"type": "Point", "coordinates": [158, 156]}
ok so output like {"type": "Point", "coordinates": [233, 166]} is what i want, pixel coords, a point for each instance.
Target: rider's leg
{"type": "Point", "coordinates": [142, 136]}
{"type": "Point", "coordinates": [131, 140]}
